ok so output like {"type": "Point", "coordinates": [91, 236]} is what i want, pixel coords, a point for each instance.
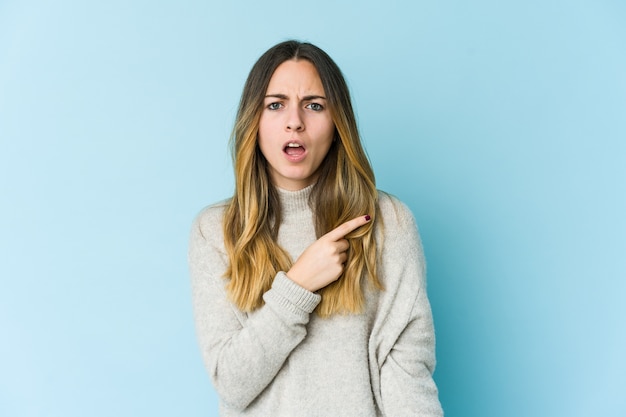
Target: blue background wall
{"type": "Point", "coordinates": [501, 124]}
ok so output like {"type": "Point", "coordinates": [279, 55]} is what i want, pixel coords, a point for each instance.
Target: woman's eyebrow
{"type": "Point", "coordinates": [313, 97]}
{"type": "Point", "coordinates": [281, 96]}
{"type": "Point", "coordinates": [305, 98]}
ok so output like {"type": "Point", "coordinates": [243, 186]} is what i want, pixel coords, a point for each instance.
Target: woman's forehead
{"type": "Point", "coordinates": [296, 76]}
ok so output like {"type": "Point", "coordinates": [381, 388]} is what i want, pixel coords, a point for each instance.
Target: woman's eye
{"type": "Point", "coordinates": [315, 106]}
{"type": "Point", "coordinates": [273, 106]}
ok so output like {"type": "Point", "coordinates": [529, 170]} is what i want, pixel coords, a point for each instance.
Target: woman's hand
{"type": "Point", "coordinates": [323, 261]}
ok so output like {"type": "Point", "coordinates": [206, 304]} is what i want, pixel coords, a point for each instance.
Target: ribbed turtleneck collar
{"type": "Point", "coordinates": [294, 201]}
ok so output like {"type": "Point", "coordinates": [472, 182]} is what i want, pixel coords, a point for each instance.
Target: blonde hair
{"type": "Point", "coordinates": [345, 189]}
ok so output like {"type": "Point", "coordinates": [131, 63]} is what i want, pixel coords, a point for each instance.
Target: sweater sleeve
{"type": "Point", "coordinates": [407, 386]}
{"type": "Point", "coordinates": [242, 352]}
{"type": "Point", "coordinates": [406, 345]}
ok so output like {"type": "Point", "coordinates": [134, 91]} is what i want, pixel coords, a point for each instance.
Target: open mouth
{"type": "Point", "coordinates": [294, 149]}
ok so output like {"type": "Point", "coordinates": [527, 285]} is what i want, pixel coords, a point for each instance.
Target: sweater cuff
{"type": "Point", "coordinates": [291, 296]}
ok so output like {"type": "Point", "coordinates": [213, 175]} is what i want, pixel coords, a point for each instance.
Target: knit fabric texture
{"type": "Point", "coordinates": [284, 360]}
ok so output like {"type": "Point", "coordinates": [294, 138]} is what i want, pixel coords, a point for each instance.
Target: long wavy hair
{"type": "Point", "coordinates": [345, 189]}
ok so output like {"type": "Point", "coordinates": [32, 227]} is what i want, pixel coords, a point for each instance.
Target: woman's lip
{"type": "Point", "coordinates": [296, 141]}
{"type": "Point", "coordinates": [295, 158]}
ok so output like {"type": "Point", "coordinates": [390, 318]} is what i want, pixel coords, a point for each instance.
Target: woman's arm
{"type": "Point", "coordinates": [406, 336]}
{"type": "Point", "coordinates": [242, 354]}
{"type": "Point", "coordinates": [407, 386]}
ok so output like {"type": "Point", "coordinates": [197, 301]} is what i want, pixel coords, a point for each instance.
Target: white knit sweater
{"type": "Point", "coordinates": [284, 360]}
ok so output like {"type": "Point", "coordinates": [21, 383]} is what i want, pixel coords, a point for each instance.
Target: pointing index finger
{"type": "Point", "coordinates": [343, 229]}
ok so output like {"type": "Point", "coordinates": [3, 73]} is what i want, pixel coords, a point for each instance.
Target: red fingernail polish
{"type": "Point", "coordinates": [367, 217]}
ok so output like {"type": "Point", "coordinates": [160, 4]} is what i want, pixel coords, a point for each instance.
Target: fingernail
{"type": "Point", "coordinates": [367, 217]}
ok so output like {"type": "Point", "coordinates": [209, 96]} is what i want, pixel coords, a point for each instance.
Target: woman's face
{"type": "Point", "coordinates": [296, 128]}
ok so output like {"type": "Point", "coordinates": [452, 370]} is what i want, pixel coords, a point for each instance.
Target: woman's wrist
{"type": "Point", "coordinates": [296, 279]}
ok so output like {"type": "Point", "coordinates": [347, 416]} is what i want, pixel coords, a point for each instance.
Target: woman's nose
{"type": "Point", "coordinates": [294, 121]}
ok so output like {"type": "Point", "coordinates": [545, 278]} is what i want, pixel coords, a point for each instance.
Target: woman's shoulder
{"type": "Point", "coordinates": [399, 240]}
{"type": "Point", "coordinates": [394, 212]}
{"type": "Point", "coordinates": [209, 220]}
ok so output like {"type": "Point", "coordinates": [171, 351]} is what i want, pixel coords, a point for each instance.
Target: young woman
{"type": "Point", "coordinates": [308, 284]}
